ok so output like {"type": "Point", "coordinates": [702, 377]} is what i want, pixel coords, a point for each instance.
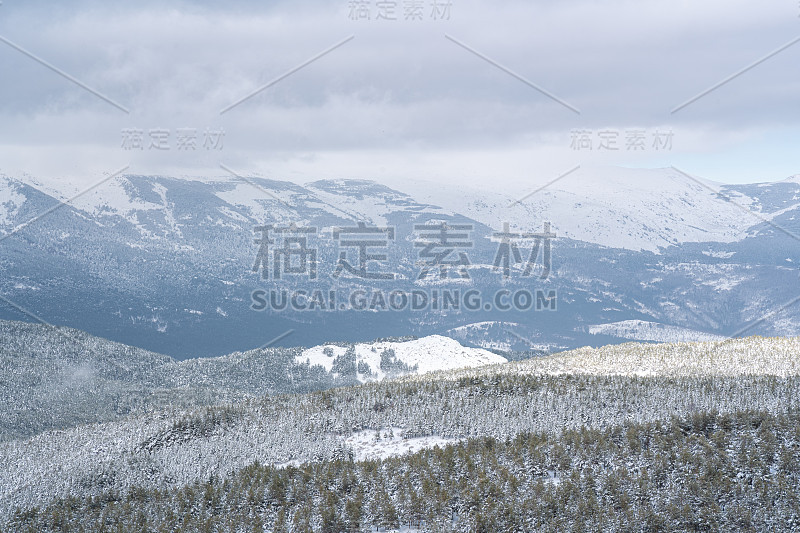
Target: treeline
{"type": "Point", "coordinates": [706, 472]}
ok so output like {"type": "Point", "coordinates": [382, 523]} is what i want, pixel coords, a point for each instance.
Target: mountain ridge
{"type": "Point", "coordinates": [167, 263]}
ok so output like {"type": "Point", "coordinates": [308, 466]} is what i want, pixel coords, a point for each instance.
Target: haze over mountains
{"type": "Point", "coordinates": [165, 263]}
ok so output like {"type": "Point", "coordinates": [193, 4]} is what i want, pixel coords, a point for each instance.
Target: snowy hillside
{"type": "Point", "coordinates": [751, 356]}
{"type": "Point", "coordinates": [634, 209]}
{"type": "Point", "coordinates": [588, 388]}
{"type": "Point", "coordinates": [641, 330]}
{"type": "Point", "coordinates": [10, 201]}
{"type": "Point", "coordinates": [381, 444]}
{"type": "Point", "coordinates": [376, 361]}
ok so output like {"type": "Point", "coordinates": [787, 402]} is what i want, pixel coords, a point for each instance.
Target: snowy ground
{"type": "Point", "coordinates": [382, 444]}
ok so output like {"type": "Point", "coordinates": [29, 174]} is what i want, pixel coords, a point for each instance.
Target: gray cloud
{"type": "Point", "coordinates": [398, 86]}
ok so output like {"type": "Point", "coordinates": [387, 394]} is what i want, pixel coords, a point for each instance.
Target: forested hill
{"type": "Point", "coordinates": [59, 378]}
{"type": "Point", "coordinates": [176, 448]}
{"type": "Point", "coordinates": [707, 472]}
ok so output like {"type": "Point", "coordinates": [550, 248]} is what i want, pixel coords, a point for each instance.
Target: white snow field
{"type": "Point", "coordinates": [427, 354]}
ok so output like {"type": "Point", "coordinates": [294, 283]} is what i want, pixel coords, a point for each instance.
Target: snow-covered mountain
{"type": "Point", "coordinates": [633, 209]}
{"type": "Point", "coordinates": [166, 263]}
{"type": "Point", "coordinates": [616, 207]}
{"type": "Point", "coordinates": [377, 360]}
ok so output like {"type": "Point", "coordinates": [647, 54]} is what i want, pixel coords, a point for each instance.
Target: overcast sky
{"type": "Point", "coordinates": [401, 98]}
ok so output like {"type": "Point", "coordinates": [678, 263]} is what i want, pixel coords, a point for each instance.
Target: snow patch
{"type": "Point", "coordinates": [382, 444]}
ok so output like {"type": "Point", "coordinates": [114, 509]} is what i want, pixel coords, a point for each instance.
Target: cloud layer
{"type": "Point", "coordinates": [400, 98]}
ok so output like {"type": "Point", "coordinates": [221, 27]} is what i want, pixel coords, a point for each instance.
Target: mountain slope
{"type": "Point", "coordinates": [751, 356]}
{"type": "Point", "coordinates": [614, 478]}
{"type": "Point", "coordinates": [633, 209]}
{"type": "Point", "coordinates": [61, 378]}
{"type": "Point", "coordinates": [582, 389]}
{"type": "Point", "coordinates": [166, 264]}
